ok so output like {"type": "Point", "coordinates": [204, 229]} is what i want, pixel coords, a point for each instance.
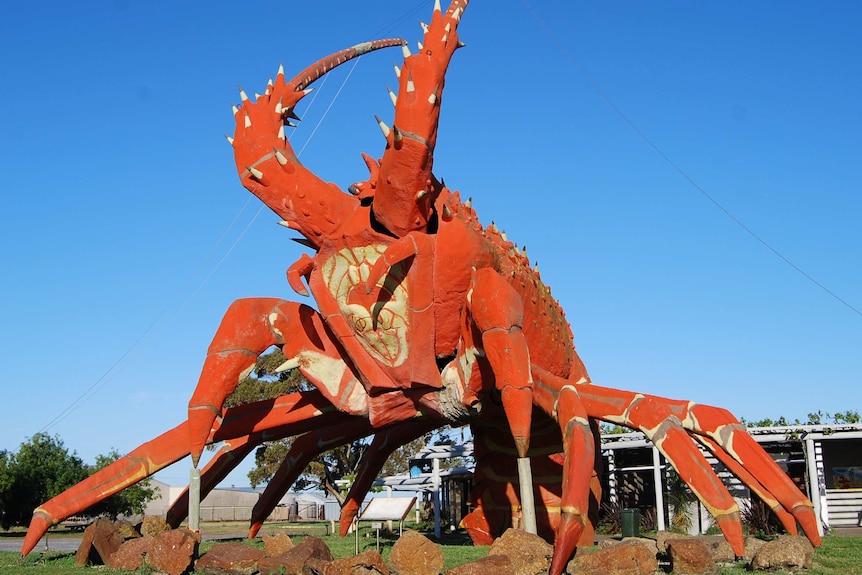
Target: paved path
{"type": "Point", "coordinates": [48, 543]}
{"type": "Point", "coordinates": [71, 543]}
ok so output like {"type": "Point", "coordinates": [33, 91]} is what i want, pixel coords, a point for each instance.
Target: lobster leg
{"type": "Point", "coordinates": [726, 431]}
{"type": "Point", "coordinates": [298, 412]}
{"type": "Point", "coordinates": [498, 313]}
{"type": "Point", "coordinates": [741, 473]}
{"type": "Point", "coordinates": [128, 470]}
{"type": "Point", "coordinates": [668, 422]}
{"type": "Point", "coordinates": [233, 451]}
{"type": "Point", "coordinates": [384, 443]}
{"type": "Point", "coordinates": [496, 503]}
{"type": "Point", "coordinates": [249, 327]}
{"type": "Point", "coordinates": [661, 425]}
{"type": "Point", "coordinates": [579, 452]}
{"type": "Point", "coordinates": [495, 498]}
{"type": "Point", "coordinates": [304, 449]}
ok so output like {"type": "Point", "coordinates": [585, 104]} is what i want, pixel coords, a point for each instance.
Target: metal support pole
{"type": "Point", "coordinates": [528, 505]}
{"type": "Point", "coordinates": [658, 478]}
{"type": "Point", "coordinates": [195, 500]}
{"type": "Point", "coordinates": [435, 478]}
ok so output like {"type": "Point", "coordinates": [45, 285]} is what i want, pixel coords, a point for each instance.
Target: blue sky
{"type": "Point", "coordinates": [127, 234]}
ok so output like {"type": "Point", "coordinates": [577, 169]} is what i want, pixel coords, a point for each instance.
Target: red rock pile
{"type": "Point", "coordinates": [123, 546]}
{"type": "Point", "coordinates": [118, 547]}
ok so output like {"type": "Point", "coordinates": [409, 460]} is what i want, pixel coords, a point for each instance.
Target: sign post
{"type": "Point", "coordinates": [382, 509]}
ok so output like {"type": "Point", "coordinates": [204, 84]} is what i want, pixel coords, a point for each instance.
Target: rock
{"type": "Point", "coordinates": [720, 549]}
{"type": "Point", "coordinates": [106, 539]}
{"type": "Point", "coordinates": [626, 558]}
{"type": "Point", "coordinates": [650, 544]}
{"type": "Point", "coordinates": [529, 554]}
{"type": "Point", "coordinates": [752, 544]}
{"type": "Point", "coordinates": [315, 566]}
{"type": "Point", "coordinates": [496, 564]}
{"type": "Point", "coordinates": [152, 525]}
{"type": "Point", "coordinates": [605, 543]}
{"type": "Point", "coordinates": [173, 551]}
{"type": "Point", "coordinates": [99, 542]}
{"type": "Point", "coordinates": [663, 537]}
{"type": "Point", "coordinates": [292, 561]}
{"type": "Point", "coordinates": [229, 559]}
{"type": "Point", "coordinates": [272, 565]}
{"type": "Point", "coordinates": [415, 554]}
{"type": "Point", "coordinates": [126, 529]}
{"type": "Point", "coordinates": [602, 543]}
{"type": "Point", "coordinates": [277, 544]}
{"type": "Point", "coordinates": [690, 556]}
{"type": "Point", "coordinates": [132, 554]}
{"type": "Point", "coordinates": [366, 563]}
{"type": "Point", "coordinates": [786, 552]}
{"type": "Point", "coordinates": [86, 554]}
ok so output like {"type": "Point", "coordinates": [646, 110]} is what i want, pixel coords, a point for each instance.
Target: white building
{"type": "Point", "coordinates": [825, 461]}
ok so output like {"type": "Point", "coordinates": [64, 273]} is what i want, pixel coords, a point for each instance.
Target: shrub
{"type": "Point", "coordinates": [759, 519]}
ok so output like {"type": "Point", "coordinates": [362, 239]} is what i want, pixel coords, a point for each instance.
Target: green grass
{"type": "Point", "coordinates": [457, 547]}
{"type": "Point", "coordinates": [837, 555]}
{"type": "Point", "coordinates": [51, 563]}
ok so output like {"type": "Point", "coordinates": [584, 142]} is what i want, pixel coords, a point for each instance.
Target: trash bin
{"type": "Point", "coordinates": [631, 522]}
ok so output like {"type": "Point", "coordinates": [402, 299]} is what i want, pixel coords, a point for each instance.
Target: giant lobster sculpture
{"type": "Point", "coordinates": [424, 318]}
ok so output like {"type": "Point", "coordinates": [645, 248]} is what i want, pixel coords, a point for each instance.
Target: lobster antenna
{"type": "Point", "coordinates": [312, 73]}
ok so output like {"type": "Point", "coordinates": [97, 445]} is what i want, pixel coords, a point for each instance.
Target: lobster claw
{"type": "Point", "coordinates": [406, 189]}
{"type": "Point", "coordinates": [267, 164]}
{"type": "Point", "coordinates": [301, 268]}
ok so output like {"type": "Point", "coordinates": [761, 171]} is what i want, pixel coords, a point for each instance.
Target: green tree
{"type": "Point", "coordinates": [815, 418]}
{"type": "Point", "coordinates": [399, 461]}
{"type": "Point", "coordinates": [6, 479]}
{"type": "Point", "coordinates": [849, 416]}
{"type": "Point", "coordinates": [129, 501]}
{"type": "Point", "coordinates": [42, 469]}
